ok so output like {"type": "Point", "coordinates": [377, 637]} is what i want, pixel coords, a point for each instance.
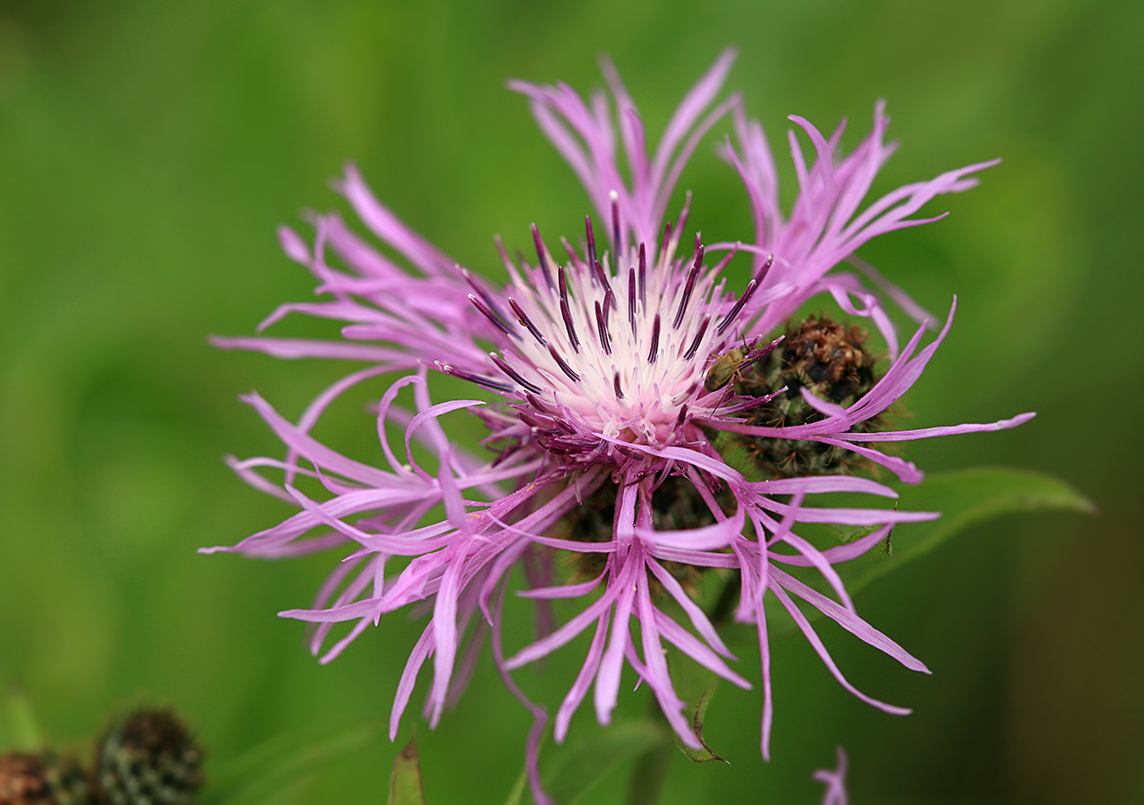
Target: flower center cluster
{"type": "Point", "coordinates": [603, 354]}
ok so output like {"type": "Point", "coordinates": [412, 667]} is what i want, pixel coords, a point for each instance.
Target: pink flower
{"type": "Point", "coordinates": [615, 372]}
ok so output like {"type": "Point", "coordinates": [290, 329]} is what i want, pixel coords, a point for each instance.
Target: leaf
{"type": "Point", "coordinates": [698, 713]}
{"type": "Point", "coordinates": [696, 684]}
{"type": "Point", "coordinates": [965, 498]}
{"type": "Point", "coordinates": [280, 763]}
{"type": "Point", "coordinates": [516, 795]}
{"type": "Point", "coordinates": [405, 783]}
{"type": "Point", "coordinates": [587, 761]}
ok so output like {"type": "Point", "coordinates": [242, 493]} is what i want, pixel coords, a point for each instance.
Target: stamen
{"type": "Point", "coordinates": [602, 327]}
{"type": "Point", "coordinates": [575, 258]}
{"type": "Point", "coordinates": [723, 263]}
{"type": "Point", "coordinates": [508, 370]}
{"type": "Point", "coordinates": [533, 422]}
{"type": "Point", "coordinates": [763, 352]}
{"type": "Point", "coordinates": [508, 264]}
{"type": "Point", "coordinates": [481, 292]}
{"type": "Point", "coordinates": [632, 299]}
{"type": "Point", "coordinates": [591, 240]}
{"type": "Point", "coordinates": [653, 353]}
{"type": "Point", "coordinates": [489, 383]}
{"type": "Point", "coordinates": [537, 404]}
{"type": "Point", "coordinates": [523, 318]}
{"type": "Point", "coordinates": [605, 283]}
{"type": "Point", "coordinates": [643, 277]}
{"type": "Point", "coordinates": [765, 268]}
{"type": "Point", "coordinates": [679, 420]}
{"type": "Point", "coordinates": [666, 238]}
{"type": "Point", "coordinates": [615, 221]}
{"type": "Point", "coordinates": [564, 310]}
{"type": "Point", "coordinates": [692, 276]}
{"type": "Point", "coordinates": [542, 256]}
{"type": "Point", "coordinates": [616, 386]}
{"type": "Point", "coordinates": [691, 350]}
{"type": "Point", "coordinates": [747, 294]}
{"type": "Point", "coordinates": [571, 328]}
{"type": "Point", "coordinates": [564, 367]}
{"type": "Point", "coordinates": [496, 320]}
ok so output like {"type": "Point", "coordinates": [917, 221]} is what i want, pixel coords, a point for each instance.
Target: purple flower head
{"type": "Point", "coordinates": [647, 415]}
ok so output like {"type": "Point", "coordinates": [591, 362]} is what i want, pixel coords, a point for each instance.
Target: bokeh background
{"type": "Point", "coordinates": [147, 153]}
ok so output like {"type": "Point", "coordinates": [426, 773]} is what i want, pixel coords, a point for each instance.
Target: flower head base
{"type": "Point", "coordinates": [627, 375]}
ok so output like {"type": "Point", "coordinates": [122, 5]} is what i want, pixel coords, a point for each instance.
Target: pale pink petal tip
{"type": "Point", "coordinates": [835, 781]}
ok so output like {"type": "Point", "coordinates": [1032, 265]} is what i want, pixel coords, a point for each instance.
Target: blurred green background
{"type": "Point", "coordinates": [147, 153]}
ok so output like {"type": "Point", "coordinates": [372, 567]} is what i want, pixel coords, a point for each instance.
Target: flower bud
{"type": "Point", "coordinates": [149, 758]}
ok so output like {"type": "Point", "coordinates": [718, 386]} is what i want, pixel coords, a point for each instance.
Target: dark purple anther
{"type": "Point", "coordinates": [679, 420]}
{"type": "Point", "coordinates": [541, 256]}
{"type": "Point", "coordinates": [691, 350]}
{"type": "Point", "coordinates": [489, 383]}
{"type": "Point", "coordinates": [653, 353]}
{"type": "Point", "coordinates": [503, 252]}
{"type": "Point", "coordinates": [508, 370]}
{"type": "Point", "coordinates": [605, 283]}
{"type": "Point", "coordinates": [591, 240]}
{"type": "Point", "coordinates": [523, 318]}
{"type": "Point", "coordinates": [497, 321]}
{"type": "Point", "coordinates": [564, 311]}
{"type": "Point", "coordinates": [616, 386]}
{"type": "Point", "coordinates": [602, 327]}
{"type": "Point", "coordinates": [746, 297]}
{"type": "Point", "coordinates": [616, 225]}
{"type": "Point", "coordinates": [765, 268]}
{"type": "Point", "coordinates": [564, 367]}
{"type": "Point", "coordinates": [537, 404]}
{"type": "Point", "coordinates": [643, 277]}
{"type": "Point", "coordinates": [481, 292]}
{"type": "Point", "coordinates": [575, 258]}
{"type": "Point", "coordinates": [571, 328]}
{"type": "Point", "coordinates": [692, 276]}
{"type": "Point", "coordinates": [632, 299]}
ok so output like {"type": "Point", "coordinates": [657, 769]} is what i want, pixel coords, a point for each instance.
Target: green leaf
{"type": "Point", "coordinates": [694, 684]}
{"type": "Point", "coordinates": [584, 763]}
{"type": "Point", "coordinates": [20, 729]}
{"type": "Point", "coordinates": [697, 714]}
{"type": "Point", "coordinates": [279, 764]}
{"type": "Point", "coordinates": [516, 795]}
{"type": "Point", "coordinates": [965, 498]}
{"type": "Point", "coordinates": [405, 783]}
